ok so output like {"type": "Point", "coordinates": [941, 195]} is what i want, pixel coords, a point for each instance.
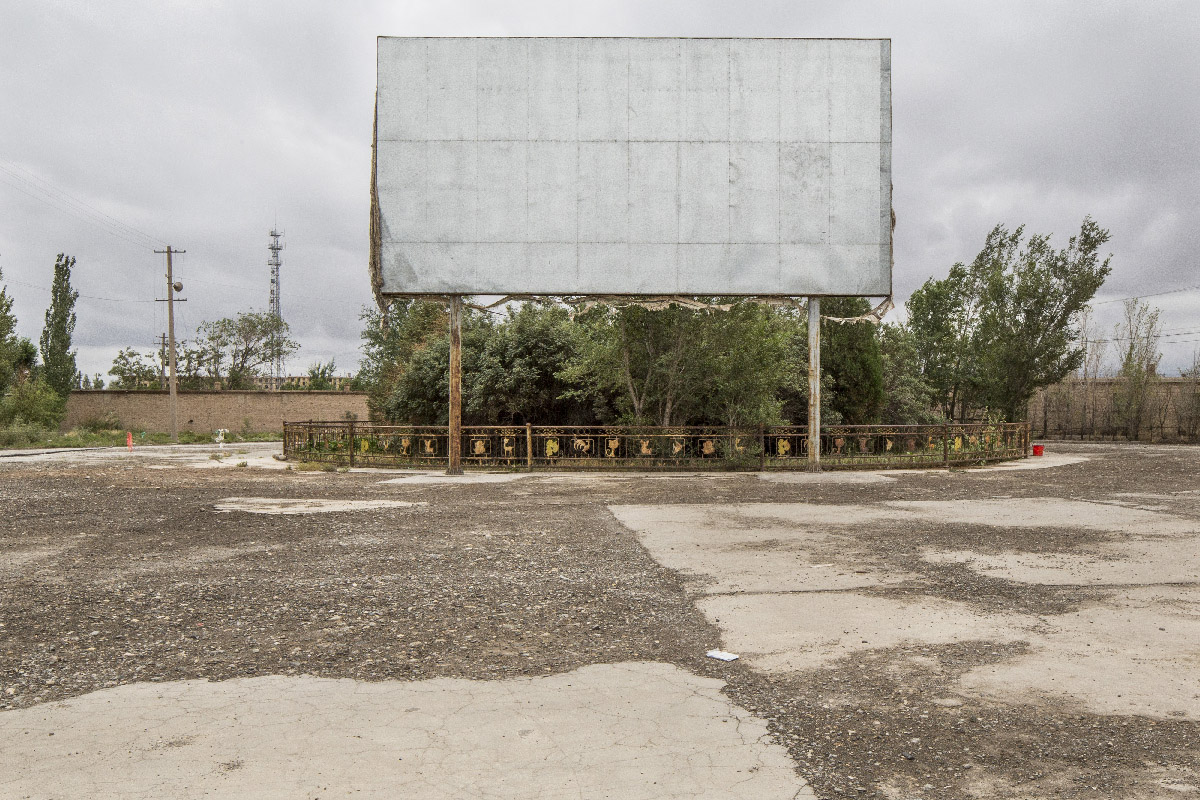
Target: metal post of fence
{"type": "Point", "coordinates": [762, 447]}
{"type": "Point", "coordinates": [814, 384]}
{"type": "Point", "coordinates": [352, 443]}
{"type": "Point", "coordinates": [946, 445]}
{"type": "Point", "coordinates": [529, 445]}
{"type": "Point", "coordinates": [454, 434]}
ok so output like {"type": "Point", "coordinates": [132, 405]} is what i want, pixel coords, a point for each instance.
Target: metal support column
{"type": "Point", "coordinates": [814, 384]}
{"type": "Point", "coordinates": [454, 445]}
{"type": "Point", "coordinates": [529, 446]}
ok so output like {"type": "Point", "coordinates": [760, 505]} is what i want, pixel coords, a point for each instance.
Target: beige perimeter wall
{"type": "Point", "coordinates": [1101, 408]}
{"type": "Point", "coordinates": [207, 411]}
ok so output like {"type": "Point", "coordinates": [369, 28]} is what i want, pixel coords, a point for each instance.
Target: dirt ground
{"type": "Point", "coordinates": [119, 570]}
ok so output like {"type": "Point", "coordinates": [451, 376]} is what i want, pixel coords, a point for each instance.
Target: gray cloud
{"type": "Point", "coordinates": [204, 125]}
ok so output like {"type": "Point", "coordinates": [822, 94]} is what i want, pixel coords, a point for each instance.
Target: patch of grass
{"type": "Point", "coordinates": [243, 464]}
{"type": "Point", "coordinates": [215, 456]}
{"type": "Point", "coordinates": [315, 466]}
{"type": "Point", "coordinates": [30, 436]}
{"type": "Point", "coordinates": [21, 435]}
{"type": "Point", "coordinates": [108, 422]}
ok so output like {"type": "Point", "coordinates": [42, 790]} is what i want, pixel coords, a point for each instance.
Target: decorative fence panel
{"type": "Point", "coordinates": [771, 447]}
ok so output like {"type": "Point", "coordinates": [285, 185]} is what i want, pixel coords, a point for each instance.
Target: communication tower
{"type": "Point", "coordinates": [274, 307]}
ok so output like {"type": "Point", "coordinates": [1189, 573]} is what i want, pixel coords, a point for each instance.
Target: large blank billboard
{"type": "Point", "coordinates": [601, 166]}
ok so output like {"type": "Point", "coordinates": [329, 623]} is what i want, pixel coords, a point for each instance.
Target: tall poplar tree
{"type": "Point", "coordinates": [58, 359]}
{"type": "Point", "coordinates": [9, 343]}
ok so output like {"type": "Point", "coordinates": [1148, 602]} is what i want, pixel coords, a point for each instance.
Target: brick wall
{"type": "Point", "coordinates": [1077, 409]}
{"type": "Point", "coordinates": [207, 411]}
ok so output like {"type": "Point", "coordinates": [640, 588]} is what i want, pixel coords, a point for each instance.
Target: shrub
{"type": "Point", "coordinates": [22, 434]}
{"type": "Point", "coordinates": [31, 401]}
{"type": "Point", "coordinates": [108, 422]}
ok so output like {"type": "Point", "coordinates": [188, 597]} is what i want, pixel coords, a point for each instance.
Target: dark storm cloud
{"type": "Point", "coordinates": [203, 124]}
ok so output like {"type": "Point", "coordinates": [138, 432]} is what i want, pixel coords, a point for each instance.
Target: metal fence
{"type": "Point", "coordinates": [770, 447]}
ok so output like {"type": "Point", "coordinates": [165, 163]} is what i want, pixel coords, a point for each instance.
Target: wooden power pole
{"type": "Point", "coordinates": [173, 286]}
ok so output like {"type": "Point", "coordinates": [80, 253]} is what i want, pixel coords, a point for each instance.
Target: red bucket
{"type": "Point", "coordinates": [1039, 450]}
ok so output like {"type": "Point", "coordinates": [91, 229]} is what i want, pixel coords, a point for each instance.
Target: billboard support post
{"type": "Point", "coordinates": [454, 445]}
{"type": "Point", "coordinates": [814, 384]}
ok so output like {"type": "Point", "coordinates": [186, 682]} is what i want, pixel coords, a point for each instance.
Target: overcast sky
{"type": "Point", "coordinates": [130, 125]}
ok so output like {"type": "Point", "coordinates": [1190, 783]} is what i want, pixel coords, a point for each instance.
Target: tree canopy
{"type": "Point", "coordinates": [58, 359]}
{"type": "Point", "coordinates": [235, 349]}
{"type": "Point", "coordinates": [995, 330]}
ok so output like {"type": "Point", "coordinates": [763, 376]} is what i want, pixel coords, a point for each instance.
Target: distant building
{"type": "Point", "coordinates": [341, 383]}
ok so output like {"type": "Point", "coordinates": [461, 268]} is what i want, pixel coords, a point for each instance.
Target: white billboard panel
{"type": "Point", "coordinates": [633, 166]}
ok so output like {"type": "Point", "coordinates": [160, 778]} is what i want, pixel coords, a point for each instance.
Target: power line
{"type": "Point", "coordinates": [41, 189]}
{"type": "Point", "coordinates": [1144, 296]}
{"type": "Point", "coordinates": [88, 296]}
{"type": "Point", "coordinates": [314, 298]}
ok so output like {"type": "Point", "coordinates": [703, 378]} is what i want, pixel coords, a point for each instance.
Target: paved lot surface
{"type": "Point", "coordinates": [175, 625]}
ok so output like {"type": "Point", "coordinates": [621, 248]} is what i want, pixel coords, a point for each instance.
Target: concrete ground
{"type": "Point", "coordinates": [173, 625]}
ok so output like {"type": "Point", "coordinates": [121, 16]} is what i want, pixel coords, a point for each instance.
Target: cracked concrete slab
{"type": "Point", "coordinates": [1047, 461]}
{"type": "Point", "coordinates": [1045, 512]}
{"type": "Point", "coordinates": [804, 631]}
{"type": "Point", "coordinates": [286, 505]}
{"type": "Point", "coordinates": [792, 589]}
{"type": "Point", "coordinates": [766, 547]}
{"type": "Point", "coordinates": [1135, 653]}
{"type": "Point", "coordinates": [468, 478]}
{"type": "Point", "coordinates": [255, 454]}
{"type": "Point", "coordinates": [629, 730]}
{"type": "Point", "coordinates": [820, 478]}
{"type": "Point", "coordinates": [1121, 563]}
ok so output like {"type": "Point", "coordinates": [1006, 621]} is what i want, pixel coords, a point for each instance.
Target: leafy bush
{"type": "Point", "coordinates": [34, 402]}
{"type": "Point", "coordinates": [23, 434]}
{"type": "Point", "coordinates": [108, 422]}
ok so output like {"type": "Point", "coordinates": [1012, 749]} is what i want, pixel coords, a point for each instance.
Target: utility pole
{"type": "Point", "coordinates": [173, 286]}
{"type": "Point", "coordinates": [162, 361]}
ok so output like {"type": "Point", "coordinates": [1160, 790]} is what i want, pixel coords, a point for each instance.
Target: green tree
{"type": "Point", "coordinates": [134, 370]}
{"type": "Point", "coordinates": [320, 376]}
{"type": "Point", "coordinates": [907, 397]}
{"type": "Point", "coordinates": [10, 343]}
{"type": "Point", "coordinates": [748, 359]}
{"type": "Point", "coordinates": [994, 331]}
{"type": "Point", "coordinates": [850, 357]}
{"type": "Point", "coordinates": [516, 378]}
{"type": "Point", "coordinates": [644, 362]}
{"type": "Point", "coordinates": [58, 359]}
{"type": "Point", "coordinates": [943, 317]}
{"type": "Point", "coordinates": [236, 349]}
{"type": "Point", "coordinates": [420, 389]}
{"type": "Point", "coordinates": [1033, 298]}
{"type": "Point", "coordinates": [389, 343]}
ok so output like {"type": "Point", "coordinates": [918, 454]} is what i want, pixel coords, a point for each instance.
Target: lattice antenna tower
{"type": "Point", "coordinates": [275, 306]}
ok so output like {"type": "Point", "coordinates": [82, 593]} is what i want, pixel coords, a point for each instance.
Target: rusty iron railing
{"type": "Point", "coordinates": [770, 447]}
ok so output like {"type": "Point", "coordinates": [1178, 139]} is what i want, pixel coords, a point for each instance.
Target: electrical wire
{"type": "Point", "coordinates": [88, 296]}
{"type": "Point", "coordinates": [41, 189]}
{"type": "Point", "coordinates": [1144, 296]}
